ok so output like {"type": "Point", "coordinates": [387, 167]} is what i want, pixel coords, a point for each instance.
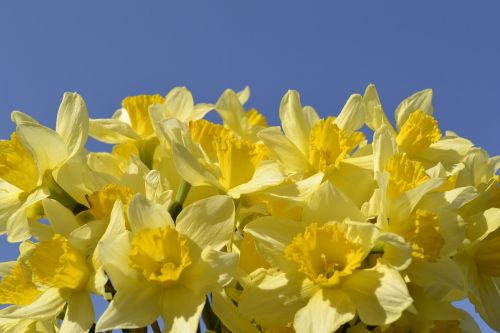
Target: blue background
{"type": "Point", "coordinates": [327, 50]}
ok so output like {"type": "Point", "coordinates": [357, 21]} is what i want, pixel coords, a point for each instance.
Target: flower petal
{"type": "Point", "coordinates": [73, 122]}
{"type": "Point", "coordinates": [352, 116]}
{"type": "Point", "coordinates": [421, 100]}
{"type": "Point", "coordinates": [47, 306]}
{"type": "Point", "coordinates": [380, 294]}
{"type": "Point", "coordinates": [61, 219]}
{"type": "Point", "coordinates": [79, 314]}
{"type": "Point", "coordinates": [45, 145]}
{"type": "Point", "coordinates": [208, 222]}
{"type": "Point", "coordinates": [293, 121]}
{"type": "Point", "coordinates": [111, 131]}
{"type": "Point", "coordinates": [143, 213]}
{"type": "Point", "coordinates": [326, 311]}
{"type": "Point", "coordinates": [181, 310]}
{"type": "Point", "coordinates": [136, 306]}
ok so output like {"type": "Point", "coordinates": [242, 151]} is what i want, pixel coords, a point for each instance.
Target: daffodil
{"type": "Point", "coordinates": [33, 165]}
{"type": "Point", "coordinates": [164, 269]}
{"type": "Point", "coordinates": [324, 279]}
{"type": "Point", "coordinates": [246, 124]}
{"type": "Point", "coordinates": [57, 275]}
{"type": "Point", "coordinates": [209, 154]}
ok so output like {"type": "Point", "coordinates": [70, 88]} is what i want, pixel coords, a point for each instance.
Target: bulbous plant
{"type": "Point", "coordinates": [340, 224]}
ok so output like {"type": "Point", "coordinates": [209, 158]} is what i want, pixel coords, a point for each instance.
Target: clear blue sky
{"type": "Point", "coordinates": [327, 50]}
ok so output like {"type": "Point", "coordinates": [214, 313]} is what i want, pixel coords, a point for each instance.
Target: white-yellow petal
{"type": "Point", "coordinates": [111, 131]}
{"type": "Point", "coordinates": [136, 306]}
{"type": "Point", "coordinates": [73, 122]}
{"type": "Point", "coordinates": [352, 116]}
{"type": "Point", "coordinates": [45, 145]}
{"type": "Point", "coordinates": [143, 213]}
{"type": "Point", "coordinates": [208, 222]}
{"type": "Point", "coordinates": [380, 294]}
{"type": "Point", "coordinates": [326, 311]}
{"type": "Point", "coordinates": [61, 219]}
{"type": "Point", "coordinates": [181, 310]}
{"type": "Point", "coordinates": [79, 314]}
{"type": "Point", "coordinates": [421, 100]}
{"type": "Point", "coordinates": [293, 121]}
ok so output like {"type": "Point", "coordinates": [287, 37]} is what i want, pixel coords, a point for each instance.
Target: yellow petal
{"type": "Point", "coordinates": [418, 132]}
{"type": "Point", "coordinates": [380, 294]}
{"type": "Point", "coordinates": [326, 311]}
{"type": "Point", "coordinates": [73, 122]}
{"type": "Point", "coordinates": [214, 232]}
{"type": "Point", "coordinates": [420, 100]}
{"type": "Point", "coordinates": [293, 120]}
{"type": "Point", "coordinates": [16, 164]}
{"type": "Point", "coordinates": [79, 314]}
{"type": "Point", "coordinates": [181, 310]}
{"type": "Point", "coordinates": [137, 108]}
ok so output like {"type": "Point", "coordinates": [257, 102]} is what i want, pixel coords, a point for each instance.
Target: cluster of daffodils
{"type": "Point", "coordinates": [338, 224]}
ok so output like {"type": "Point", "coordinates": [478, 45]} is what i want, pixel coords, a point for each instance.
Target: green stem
{"type": "Point", "coordinates": [212, 322]}
{"type": "Point", "coordinates": [176, 206]}
{"type": "Point", "coordinates": [59, 194]}
{"type": "Point", "coordinates": [156, 327]}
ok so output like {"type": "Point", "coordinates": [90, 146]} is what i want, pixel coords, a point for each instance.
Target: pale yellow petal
{"type": "Point", "coordinates": [73, 122]}
{"type": "Point", "coordinates": [380, 294]}
{"type": "Point", "coordinates": [47, 306]}
{"type": "Point", "coordinates": [143, 213]}
{"type": "Point", "coordinates": [137, 306]}
{"type": "Point", "coordinates": [272, 235]}
{"type": "Point", "coordinates": [326, 311]}
{"type": "Point", "coordinates": [384, 147]}
{"type": "Point", "coordinates": [293, 120]}
{"type": "Point", "coordinates": [111, 131]}
{"type": "Point", "coordinates": [114, 256]}
{"type": "Point", "coordinates": [352, 116]}
{"type": "Point", "coordinates": [273, 300]}
{"type": "Point", "coordinates": [284, 150]}
{"type": "Point", "coordinates": [232, 113]}
{"type": "Point", "coordinates": [421, 100]}
{"type": "Point", "coordinates": [190, 168]}
{"type": "Point", "coordinates": [208, 222]}
{"type": "Point", "coordinates": [267, 174]}
{"type": "Point", "coordinates": [181, 310]}
{"type": "Point", "coordinates": [483, 224]}
{"type": "Point", "coordinates": [19, 117]}
{"type": "Point", "coordinates": [243, 95]}
{"type": "Point", "coordinates": [79, 314]}
{"type": "Point", "coordinates": [179, 103]}
{"type": "Point", "coordinates": [228, 313]}
{"type": "Point", "coordinates": [374, 114]}
{"type": "Point", "coordinates": [329, 204]}
{"type": "Point", "coordinates": [61, 219]}
{"type": "Point", "coordinates": [45, 145]}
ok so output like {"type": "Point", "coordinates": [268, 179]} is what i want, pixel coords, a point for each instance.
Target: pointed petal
{"type": "Point", "coordinates": [208, 222]}
{"type": "Point", "coordinates": [380, 294]}
{"type": "Point", "coordinates": [293, 120]}
{"type": "Point", "coordinates": [272, 235]}
{"type": "Point", "coordinates": [374, 114]}
{"type": "Point", "coordinates": [283, 149]}
{"type": "Point", "coordinates": [181, 310]}
{"type": "Point", "coordinates": [61, 219]}
{"type": "Point", "coordinates": [134, 307]}
{"type": "Point", "coordinates": [111, 131]}
{"type": "Point", "coordinates": [19, 117]}
{"type": "Point", "coordinates": [45, 145]}
{"type": "Point", "coordinates": [326, 311]}
{"type": "Point", "coordinates": [215, 269]}
{"type": "Point", "coordinates": [47, 306]}
{"type": "Point", "coordinates": [243, 95]}
{"type": "Point", "coordinates": [329, 204]}
{"type": "Point", "coordinates": [79, 314]}
{"type": "Point", "coordinates": [73, 122]}
{"type": "Point", "coordinates": [190, 169]}
{"type": "Point", "coordinates": [179, 103]}
{"type": "Point", "coordinates": [272, 299]}
{"type": "Point", "coordinates": [421, 100]}
{"type": "Point", "coordinates": [232, 113]}
{"type": "Point", "coordinates": [266, 175]}
{"type": "Point", "coordinates": [228, 313]}
{"type": "Point", "coordinates": [113, 253]}
{"type": "Point", "coordinates": [143, 213]}
{"type": "Point", "coordinates": [352, 116]}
